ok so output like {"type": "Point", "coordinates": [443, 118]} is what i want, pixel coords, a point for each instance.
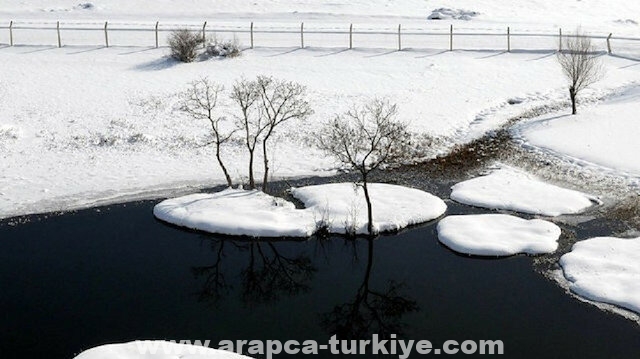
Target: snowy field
{"type": "Point", "coordinates": [603, 136]}
{"type": "Point", "coordinates": [81, 126]}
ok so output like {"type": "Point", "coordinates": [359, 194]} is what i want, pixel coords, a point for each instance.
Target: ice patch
{"type": "Point", "coordinates": [452, 14]}
{"type": "Point", "coordinates": [518, 191]}
{"type": "Point", "coordinates": [158, 349]}
{"type": "Point", "coordinates": [342, 206]}
{"type": "Point", "coordinates": [497, 235]}
{"type": "Point", "coordinates": [605, 269]}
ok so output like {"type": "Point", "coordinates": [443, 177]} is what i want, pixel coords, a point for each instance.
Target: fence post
{"type": "Point", "coordinates": [204, 36]}
{"type": "Point", "coordinates": [58, 30]}
{"type": "Point", "coordinates": [302, 35]}
{"type": "Point", "coordinates": [11, 33]}
{"type": "Point", "coordinates": [508, 39]}
{"type": "Point", "coordinates": [106, 35]}
{"type": "Point", "coordinates": [252, 34]}
{"type": "Point", "coordinates": [157, 22]}
{"type": "Point", "coordinates": [350, 36]}
{"type": "Point", "coordinates": [609, 42]}
{"type": "Point", "coordinates": [451, 38]}
{"type": "Point", "coordinates": [560, 41]}
{"type": "Point", "coordinates": [399, 38]}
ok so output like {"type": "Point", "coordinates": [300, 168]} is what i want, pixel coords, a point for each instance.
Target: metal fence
{"type": "Point", "coordinates": [348, 36]}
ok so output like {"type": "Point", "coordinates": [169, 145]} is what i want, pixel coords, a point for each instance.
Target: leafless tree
{"type": "Point", "coordinates": [252, 125]}
{"type": "Point", "coordinates": [279, 102]}
{"type": "Point", "coordinates": [580, 65]}
{"type": "Point", "coordinates": [366, 138]}
{"type": "Point", "coordinates": [200, 101]}
{"type": "Point", "coordinates": [265, 103]}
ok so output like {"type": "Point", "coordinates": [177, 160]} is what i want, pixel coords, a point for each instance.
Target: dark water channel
{"type": "Point", "coordinates": [92, 277]}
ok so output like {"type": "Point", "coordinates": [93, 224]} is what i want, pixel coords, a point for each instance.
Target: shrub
{"type": "Point", "coordinates": [228, 48]}
{"type": "Point", "coordinates": [183, 44]}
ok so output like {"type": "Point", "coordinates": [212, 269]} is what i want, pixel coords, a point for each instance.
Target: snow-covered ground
{"type": "Point", "coordinates": [156, 349]}
{"type": "Point", "coordinates": [336, 207]}
{"type": "Point", "coordinates": [605, 269]}
{"type": "Point", "coordinates": [87, 125]}
{"type": "Point", "coordinates": [603, 136]}
{"type": "Point", "coordinates": [497, 235]}
{"type": "Point", "coordinates": [617, 16]}
{"type": "Point", "coordinates": [511, 189]}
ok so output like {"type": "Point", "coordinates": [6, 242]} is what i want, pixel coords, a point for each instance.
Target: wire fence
{"type": "Point", "coordinates": [348, 36]}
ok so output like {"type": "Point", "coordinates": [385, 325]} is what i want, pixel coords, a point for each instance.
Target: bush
{"type": "Point", "coordinates": [228, 48]}
{"type": "Point", "coordinates": [183, 44]}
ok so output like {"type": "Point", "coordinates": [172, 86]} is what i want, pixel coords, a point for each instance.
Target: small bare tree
{"type": "Point", "coordinates": [279, 102]}
{"type": "Point", "coordinates": [199, 102]}
{"type": "Point", "coordinates": [366, 138]}
{"type": "Point", "coordinates": [580, 65]}
{"type": "Point", "coordinates": [244, 94]}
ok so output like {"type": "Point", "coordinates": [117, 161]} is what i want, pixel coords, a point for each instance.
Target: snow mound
{"type": "Point", "coordinates": [514, 190]}
{"type": "Point", "coordinates": [144, 349]}
{"type": "Point", "coordinates": [605, 269]}
{"type": "Point", "coordinates": [497, 235]}
{"type": "Point", "coordinates": [342, 207]}
{"type": "Point", "coordinates": [444, 13]}
{"type": "Point", "coordinates": [237, 212]}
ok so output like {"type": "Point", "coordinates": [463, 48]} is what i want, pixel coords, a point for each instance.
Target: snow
{"type": "Point", "coordinates": [603, 136]}
{"type": "Point", "coordinates": [605, 269]}
{"type": "Point", "coordinates": [511, 189]}
{"type": "Point", "coordinates": [237, 212]}
{"type": "Point", "coordinates": [336, 206]}
{"type": "Point", "coordinates": [343, 205]}
{"type": "Point", "coordinates": [163, 350]}
{"type": "Point", "coordinates": [85, 125]}
{"type": "Point", "coordinates": [497, 235]}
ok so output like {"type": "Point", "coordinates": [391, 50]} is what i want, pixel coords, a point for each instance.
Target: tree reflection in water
{"type": "Point", "coordinates": [370, 312]}
{"type": "Point", "coordinates": [267, 275]}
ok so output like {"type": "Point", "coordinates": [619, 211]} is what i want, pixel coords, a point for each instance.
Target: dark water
{"type": "Point", "coordinates": [83, 279]}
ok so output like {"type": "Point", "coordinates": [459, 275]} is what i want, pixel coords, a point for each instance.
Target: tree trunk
{"type": "Point", "coordinates": [572, 95]}
{"type": "Point", "coordinates": [266, 166]}
{"type": "Point", "coordinates": [224, 169]}
{"type": "Point", "coordinates": [252, 182]}
{"type": "Point", "coordinates": [369, 210]}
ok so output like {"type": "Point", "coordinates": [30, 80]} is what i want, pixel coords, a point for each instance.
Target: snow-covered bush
{"type": "Point", "coordinates": [183, 44]}
{"type": "Point", "coordinates": [227, 48]}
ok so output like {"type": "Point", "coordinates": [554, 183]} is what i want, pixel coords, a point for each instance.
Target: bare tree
{"type": "Point", "coordinates": [199, 101]}
{"type": "Point", "coordinates": [365, 139]}
{"type": "Point", "coordinates": [244, 94]}
{"type": "Point", "coordinates": [279, 102]}
{"type": "Point", "coordinates": [580, 65]}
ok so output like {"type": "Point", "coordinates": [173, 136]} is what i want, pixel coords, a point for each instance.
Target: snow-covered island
{"type": "Point", "coordinates": [510, 189]}
{"type": "Point", "coordinates": [605, 269]}
{"type": "Point", "coordinates": [337, 207]}
{"type": "Point", "coordinates": [497, 235]}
